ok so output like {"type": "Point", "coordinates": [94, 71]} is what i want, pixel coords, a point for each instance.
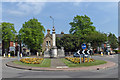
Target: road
{"type": "Point", "coordinates": [8, 72]}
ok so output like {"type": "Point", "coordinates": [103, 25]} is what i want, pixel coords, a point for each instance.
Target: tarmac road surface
{"type": "Point", "coordinates": [8, 72]}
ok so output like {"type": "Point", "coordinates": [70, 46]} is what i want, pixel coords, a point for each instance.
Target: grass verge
{"type": "Point", "coordinates": [70, 64]}
{"type": "Point", "coordinates": [45, 63]}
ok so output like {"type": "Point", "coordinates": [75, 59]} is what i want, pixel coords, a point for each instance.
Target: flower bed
{"type": "Point", "coordinates": [32, 60]}
{"type": "Point", "coordinates": [77, 60]}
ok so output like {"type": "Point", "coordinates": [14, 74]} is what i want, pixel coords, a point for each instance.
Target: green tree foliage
{"type": "Point", "coordinates": [0, 32]}
{"type": "Point", "coordinates": [81, 26]}
{"type": "Point", "coordinates": [69, 42]}
{"type": "Point", "coordinates": [32, 33]}
{"type": "Point", "coordinates": [113, 40]}
{"type": "Point", "coordinates": [96, 39]}
{"type": "Point", "coordinates": [8, 34]}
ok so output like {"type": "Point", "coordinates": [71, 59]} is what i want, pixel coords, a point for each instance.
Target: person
{"type": "Point", "coordinates": [106, 51]}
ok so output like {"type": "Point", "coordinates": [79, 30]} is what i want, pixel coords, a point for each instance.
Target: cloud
{"type": "Point", "coordinates": [26, 8]}
{"type": "Point", "coordinates": [15, 12]}
{"type": "Point", "coordinates": [60, 0]}
{"type": "Point", "coordinates": [24, 0]}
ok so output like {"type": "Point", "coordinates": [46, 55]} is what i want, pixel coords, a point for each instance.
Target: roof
{"type": "Point", "coordinates": [58, 35]}
{"type": "Point", "coordinates": [48, 35]}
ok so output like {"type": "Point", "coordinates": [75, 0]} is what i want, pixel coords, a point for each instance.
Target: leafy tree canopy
{"type": "Point", "coordinates": [8, 34]}
{"type": "Point", "coordinates": [0, 32]}
{"type": "Point", "coordinates": [96, 38]}
{"type": "Point", "coordinates": [32, 33]}
{"type": "Point", "coordinates": [81, 26]}
{"type": "Point", "coordinates": [8, 31]}
{"type": "Point", "coordinates": [113, 40]}
{"type": "Point", "coordinates": [69, 42]}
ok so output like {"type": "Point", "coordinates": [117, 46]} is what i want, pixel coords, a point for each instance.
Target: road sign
{"type": "Point", "coordinates": [83, 52]}
{"type": "Point", "coordinates": [78, 51]}
{"type": "Point", "coordinates": [83, 46]}
{"type": "Point", "coordinates": [88, 51]}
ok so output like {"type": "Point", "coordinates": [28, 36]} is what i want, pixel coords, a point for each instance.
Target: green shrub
{"type": "Point", "coordinates": [117, 51]}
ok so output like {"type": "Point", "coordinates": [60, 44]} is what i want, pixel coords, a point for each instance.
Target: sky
{"type": "Point", "coordinates": [104, 15]}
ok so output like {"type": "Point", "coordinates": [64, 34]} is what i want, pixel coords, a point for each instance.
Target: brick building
{"type": "Point", "coordinates": [47, 42]}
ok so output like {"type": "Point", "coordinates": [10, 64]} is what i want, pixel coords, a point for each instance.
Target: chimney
{"type": "Point", "coordinates": [48, 31]}
{"type": "Point", "coordinates": [62, 32]}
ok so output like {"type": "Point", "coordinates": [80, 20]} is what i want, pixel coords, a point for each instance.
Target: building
{"type": "Point", "coordinates": [14, 47]}
{"type": "Point", "coordinates": [48, 41]}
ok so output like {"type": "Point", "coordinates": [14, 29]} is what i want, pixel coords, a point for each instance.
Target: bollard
{"type": "Point", "coordinates": [101, 53]}
{"type": "Point", "coordinates": [40, 53]}
{"type": "Point", "coordinates": [37, 54]}
{"type": "Point", "coordinates": [8, 55]}
{"type": "Point", "coordinates": [21, 55]}
{"type": "Point", "coordinates": [4, 55]}
{"type": "Point", "coordinates": [18, 56]}
{"type": "Point", "coordinates": [108, 53]}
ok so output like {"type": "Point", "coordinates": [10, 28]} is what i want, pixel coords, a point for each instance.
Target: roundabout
{"type": "Point", "coordinates": [109, 69]}
{"type": "Point", "coordinates": [61, 64]}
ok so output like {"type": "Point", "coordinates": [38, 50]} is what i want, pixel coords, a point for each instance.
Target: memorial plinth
{"type": "Point", "coordinates": [54, 48]}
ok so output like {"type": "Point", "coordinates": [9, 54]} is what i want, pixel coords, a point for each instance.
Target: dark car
{"type": "Point", "coordinates": [77, 55]}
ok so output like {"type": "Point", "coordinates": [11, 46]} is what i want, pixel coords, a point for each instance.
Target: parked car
{"type": "Point", "coordinates": [77, 55]}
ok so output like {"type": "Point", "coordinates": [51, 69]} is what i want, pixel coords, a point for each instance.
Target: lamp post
{"type": "Point", "coordinates": [108, 45]}
{"type": "Point", "coordinates": [53, 34]}
{"type": "Point", "coordinates": [54, 48]}
{"type": "Point", "coordinates": [53, 20]}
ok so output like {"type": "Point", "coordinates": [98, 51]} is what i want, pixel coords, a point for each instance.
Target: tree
{"type": "Point", "coordinates": [32, 33]}
{"type": "Point", "coordinates": [81, 26]}
{"type": "Point", "coordinates": [0, 32]}
{"type": "Point", "coordinates": [69, 42]}
{"type": "Point", "coordinates": [8, 34]}
{"type": "Point", "coordinates": [112, 39]}
{"type": "Point", "coordinates": [96, 39]}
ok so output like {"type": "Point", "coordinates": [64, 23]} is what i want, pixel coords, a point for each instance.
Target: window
{"type": "Point", "coordinates": [46, 43]}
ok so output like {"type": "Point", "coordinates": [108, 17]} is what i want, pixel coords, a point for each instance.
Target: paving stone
{"type": "Point", "coordinates": [56, 63]}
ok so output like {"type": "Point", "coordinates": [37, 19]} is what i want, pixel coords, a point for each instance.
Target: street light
{"type": "Point", "coordinates": [53, 20]}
